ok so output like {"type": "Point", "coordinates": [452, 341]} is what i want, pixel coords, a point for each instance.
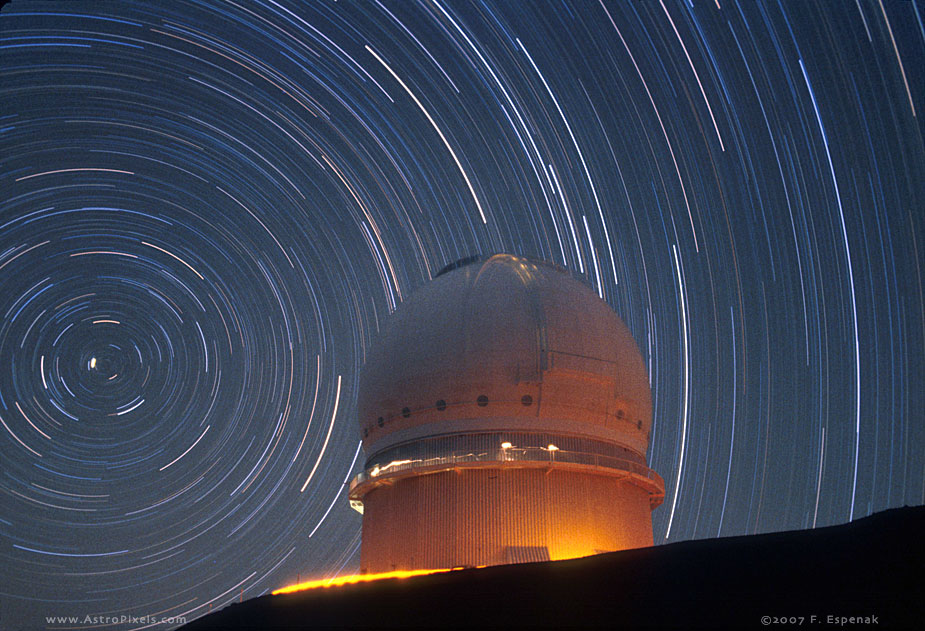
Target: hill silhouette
{"type": "Point", "coordinates": [870, 570]}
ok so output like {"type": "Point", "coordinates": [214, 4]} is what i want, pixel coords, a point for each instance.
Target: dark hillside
{"type": "Point", "coordinates": [870, 569]}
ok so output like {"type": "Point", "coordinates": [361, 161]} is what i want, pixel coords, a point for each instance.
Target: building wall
{"type": "Point", "coordinates": [472, 517]}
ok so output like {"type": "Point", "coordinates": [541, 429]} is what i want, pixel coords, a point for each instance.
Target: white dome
{"type": "Point", "coordinates": [504, 343]}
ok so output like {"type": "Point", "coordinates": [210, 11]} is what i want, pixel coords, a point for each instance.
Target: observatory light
{"type": "Point", "coordinates": [529, 356]}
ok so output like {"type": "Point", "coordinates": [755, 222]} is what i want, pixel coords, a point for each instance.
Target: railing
{"type": "Point", "coordinates": [510, 454]}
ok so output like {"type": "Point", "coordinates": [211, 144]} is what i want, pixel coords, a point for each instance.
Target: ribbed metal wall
{"type": "Point", "coordinates": [471, 517]}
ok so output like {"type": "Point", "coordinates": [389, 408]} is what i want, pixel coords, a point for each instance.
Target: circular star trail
{"type": "Point", "coordinates": [209, 209]}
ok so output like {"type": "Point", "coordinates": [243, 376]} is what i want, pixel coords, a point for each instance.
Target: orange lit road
{"type": "Point", "coordinates": [356, 578]}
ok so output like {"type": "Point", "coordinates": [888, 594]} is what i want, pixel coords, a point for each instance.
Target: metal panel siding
{"type": "Point", "coordinates": [471, 517]}
{"type": "Point", "coordinates": [526, 554]}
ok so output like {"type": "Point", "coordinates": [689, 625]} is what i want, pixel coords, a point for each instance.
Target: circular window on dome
{"type": "Point", "coordinates": [441, 405]}
{"type": "Point", "coordinates": [405, 412]}
{"type": "Point", "coordinates": [380, 421]}
{"type": "Point", "coordinates": [526, 400]}
{"type": "Point", "coordinates": [482, 400]}
{"type": "Point", "coordinates": [620, 414]}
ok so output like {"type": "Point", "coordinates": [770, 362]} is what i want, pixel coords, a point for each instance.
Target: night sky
{"type": "Point", "coordinates": [210, 208]}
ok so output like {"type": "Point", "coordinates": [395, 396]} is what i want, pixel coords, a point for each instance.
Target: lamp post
{"type": "Point", "coordinates": [552, 449]}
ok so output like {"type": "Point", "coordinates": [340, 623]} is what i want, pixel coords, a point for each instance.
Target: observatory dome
{"type": "Point", "coordinates": [505, 343]}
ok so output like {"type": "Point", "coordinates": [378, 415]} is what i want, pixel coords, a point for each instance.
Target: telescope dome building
{"type": "Point", "coordinates": [505, 413]}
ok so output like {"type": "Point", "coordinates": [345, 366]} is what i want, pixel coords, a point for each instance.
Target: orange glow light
{"type": "Point", "coordinates": [356, 578]}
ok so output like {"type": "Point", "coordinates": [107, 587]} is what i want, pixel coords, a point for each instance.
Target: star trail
{"type": "Point", "coordinates": [210, 208]}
